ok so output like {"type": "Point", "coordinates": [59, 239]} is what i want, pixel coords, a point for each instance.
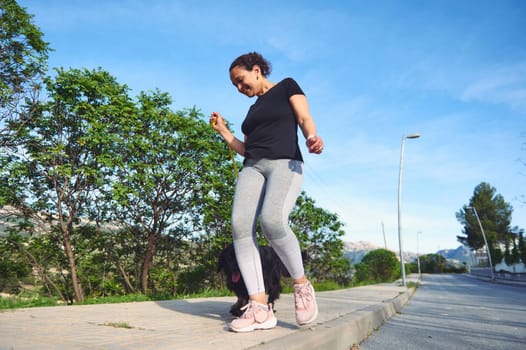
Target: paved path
{"type": "Point", "coordinates": [453, 311]}
{"type": "Point", "coordinates": [346, 317]}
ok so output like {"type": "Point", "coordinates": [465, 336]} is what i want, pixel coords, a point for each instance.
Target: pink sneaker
{"type": "Point", "coordinates": [305, 300]}
{"type": "Point", "coordinates": [256, 316]}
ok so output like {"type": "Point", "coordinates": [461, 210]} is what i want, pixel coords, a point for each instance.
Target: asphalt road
{"type": "Point", "coordinates": [456, 312]}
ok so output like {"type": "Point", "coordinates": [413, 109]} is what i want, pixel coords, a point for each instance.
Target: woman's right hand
{"type": "Point", "coordinates": [217, 121]}
{"type": "Point", "coordinates": [219, 124]}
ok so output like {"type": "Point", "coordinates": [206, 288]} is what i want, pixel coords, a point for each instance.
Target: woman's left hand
{"type": "Point", "coordinates": [314, 144]}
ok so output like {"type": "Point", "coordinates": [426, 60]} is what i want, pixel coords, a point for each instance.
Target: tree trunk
{"type": "Point", "coordinates": [42, 273]}
{"type": "Point", "coordinates": [127, 284]}
{"type": "Point", "coordinates": [66, 227]}
{"type": "Point", "coordinates": [77, 286]}
{"type": "Point", "coordinates": [148, 262]}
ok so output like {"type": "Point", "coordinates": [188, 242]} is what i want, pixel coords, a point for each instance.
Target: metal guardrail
{"type": "Point", "coordinates": [504, 276]}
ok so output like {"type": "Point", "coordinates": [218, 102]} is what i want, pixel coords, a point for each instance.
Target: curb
{"type": "Point", "coordinates": [343, 332]}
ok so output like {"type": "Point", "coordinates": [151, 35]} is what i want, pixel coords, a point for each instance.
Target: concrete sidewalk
{"type": "Point", "coordinates": [345, 318]}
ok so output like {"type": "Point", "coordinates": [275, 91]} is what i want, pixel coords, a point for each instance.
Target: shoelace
{"type": "Point", "coordinates": [303, 296]}
{"type": "Point", "coordinates": [250, 309]}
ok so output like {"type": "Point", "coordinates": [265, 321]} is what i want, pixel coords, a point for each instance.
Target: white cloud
{"type": "Point", "coordinates": [500, 85]}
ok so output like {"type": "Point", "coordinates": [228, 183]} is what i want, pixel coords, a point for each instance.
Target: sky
{"type": "Point", "coordinates": [373, 72]}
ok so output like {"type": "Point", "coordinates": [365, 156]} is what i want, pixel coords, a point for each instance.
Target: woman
{"type": "Point", "coordinates": [268, 185]}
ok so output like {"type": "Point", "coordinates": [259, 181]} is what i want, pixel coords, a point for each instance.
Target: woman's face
{"type": "Point", "coordinates": [245, 81]}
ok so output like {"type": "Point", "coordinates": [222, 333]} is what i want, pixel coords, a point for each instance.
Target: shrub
{"type": "Point", "coordinates": [379, 265]}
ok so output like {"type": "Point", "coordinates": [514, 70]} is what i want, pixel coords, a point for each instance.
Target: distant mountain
{"type": "Point", "coordinates": [461, 254]}
{"type": "Point", "coordinates": [355, 251]}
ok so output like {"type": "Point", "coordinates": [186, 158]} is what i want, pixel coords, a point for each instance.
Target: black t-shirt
{"type": "Point", "coordinates": [271, 127]}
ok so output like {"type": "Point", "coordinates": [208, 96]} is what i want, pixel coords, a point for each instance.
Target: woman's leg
{"type": "Point", "coordinates": [284, 181]}
{"type": "Point", "coordinates": [247, 203]}
{"type": "Point", "coordinates": [246, 207]}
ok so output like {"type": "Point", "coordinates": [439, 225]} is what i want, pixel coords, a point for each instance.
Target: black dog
{"type": "Point", "coordinates": [273, 269]}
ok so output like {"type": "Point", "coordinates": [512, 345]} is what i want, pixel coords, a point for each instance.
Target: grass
{"type": "Point", "coordinates": [128, 298]}
{"type": "Point", "coordinates": [118, 325]}
{"type": "Point", "coordinates": [15, 302]}
{"type": "Point", "coordinates": [411, 284]}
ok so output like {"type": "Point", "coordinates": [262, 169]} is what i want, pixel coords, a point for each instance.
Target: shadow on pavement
{"type": "Point", "coordinates": [210, 308]}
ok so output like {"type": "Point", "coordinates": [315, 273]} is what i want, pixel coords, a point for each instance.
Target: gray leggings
{"type": "Point", "coordinates": [266, 189]}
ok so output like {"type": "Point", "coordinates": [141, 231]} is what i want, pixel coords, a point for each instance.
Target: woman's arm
{"type": "Point", "coordinates": [306, 122]}
{"type": "Point", "coordinates": [218, 123]}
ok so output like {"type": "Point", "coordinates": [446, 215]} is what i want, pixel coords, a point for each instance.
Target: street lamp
{"type": "Point", "coordinates": [418, 255]}
{"type": "Point", "coordinates": [485, 241]}
{"type": "Point", "coordinates": [412, 136]}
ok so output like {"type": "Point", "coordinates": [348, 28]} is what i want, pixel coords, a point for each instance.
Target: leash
{"type": "Point", "coordinates": [230, 151]}
{"type": "Point", "coordinates": [233, 160]}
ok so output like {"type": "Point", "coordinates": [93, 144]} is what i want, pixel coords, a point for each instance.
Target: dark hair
{"type": "Point", "coordinates": [251, 59]}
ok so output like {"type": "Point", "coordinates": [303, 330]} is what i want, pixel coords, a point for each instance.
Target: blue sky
{"type": "Point", "coordinates": [373, 71]}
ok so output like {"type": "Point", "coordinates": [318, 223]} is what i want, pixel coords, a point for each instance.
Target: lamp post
{"type": "Point", "coordinates": [383, 231]}
{"type": "Point", "coordinates": [412, 136]}
{"type": "Point", "coordinates": [485, 241]}
{"type": "Point", "coordinates": [418, 255]}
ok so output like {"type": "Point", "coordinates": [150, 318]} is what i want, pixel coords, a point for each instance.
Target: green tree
{"type": "Point", "coordinates": [23, 57]}
{"type": "Point", "coordinates": [508, 260]}
{"type": "Point", "coordinates": [38, 254]}
{"type": "Point", "coordinates": [319, 233]}
{"type": "Point", "coordinates": [513, 247]}
{"type": "Point", "coordinates": [432, 263]}
{"type": "Point", "coordinates": [213, 228]}
{"type": "Point", "coordinates": [495, 216]}
{"type": "Point", "coordinates": [67, 153]}
{"type": "Point", "coordinates": [168, 168]}
{"type": "Point", "coordinates": [515, 257]}
{"type": "Point", "coordinates": [378, 265]}
{"type": "Point", "coordinates": [521, 244]}
{"type": "Point", "coordinates": [216, 230]}
{"type": "Point", "coordinates": [523, 161]}
{"type": "Point", "coordinates": [104, 263]}
{"type": "Point", "coordinates": [13, 267]}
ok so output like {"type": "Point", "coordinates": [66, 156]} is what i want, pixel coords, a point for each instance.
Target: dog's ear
{"type": "Point", "coordinates": [226, 254]}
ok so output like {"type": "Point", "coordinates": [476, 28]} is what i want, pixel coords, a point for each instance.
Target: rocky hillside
{"type": "Point", "coordinates": [459, 255]}
{"type": "Point", "coordinates": [355, 251]}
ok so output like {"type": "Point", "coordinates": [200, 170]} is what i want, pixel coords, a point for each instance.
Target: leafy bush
{"type": "Point", "coordinates": [377, 266]}
{"type": "Point", "coordinates": [192, 281]}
